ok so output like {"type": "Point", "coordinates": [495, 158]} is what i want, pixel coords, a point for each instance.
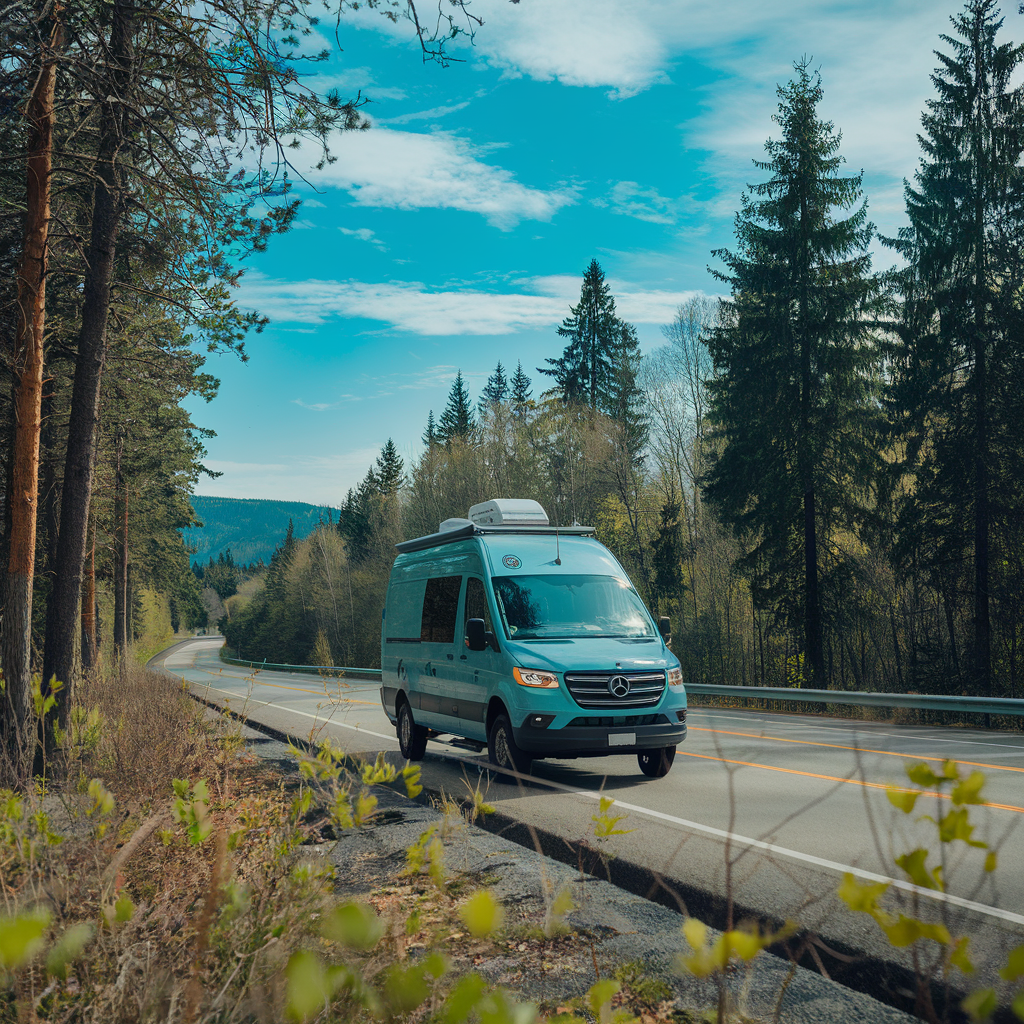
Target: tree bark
{"type": "Point", "coordinates": [90, 652]}
{"type": "Point", "coordinates": [62, 653]}
{"type": "Point", "coordinates": [27, 369]}
{"type": "Point", "coordinates": [121, 547]}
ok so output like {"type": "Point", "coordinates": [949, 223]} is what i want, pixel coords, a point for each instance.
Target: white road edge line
{"type": "Point", "coordinates": [757, 844]}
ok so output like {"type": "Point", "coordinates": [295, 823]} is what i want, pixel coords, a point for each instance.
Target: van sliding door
{"type": "Point", "coordinates": [437, 653]}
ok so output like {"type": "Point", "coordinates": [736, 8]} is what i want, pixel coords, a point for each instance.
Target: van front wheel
{"type": "Point", "coordinates": [412, 738]}
{"type": "Point", "coordinates": [656, 763]}
{"type": "Point", "coordinates": [503, 750]}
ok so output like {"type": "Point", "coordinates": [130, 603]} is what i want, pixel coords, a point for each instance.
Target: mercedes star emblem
{"type": "Point", "coordinates": [618, 686]}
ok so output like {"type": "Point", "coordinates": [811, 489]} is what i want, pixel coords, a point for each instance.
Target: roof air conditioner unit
{"type": "Point", "coordinates": [509, 512]}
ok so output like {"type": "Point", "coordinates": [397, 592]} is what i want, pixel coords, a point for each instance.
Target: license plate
{"type": "Point", "coordinates": [621, 739]}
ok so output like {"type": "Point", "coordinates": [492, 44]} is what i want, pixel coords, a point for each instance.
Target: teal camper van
{"type": "Point", "coordinates": [505, 632]}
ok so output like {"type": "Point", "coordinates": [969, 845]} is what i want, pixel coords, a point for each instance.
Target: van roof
{"type": "Point", "coordinates": [434, 540]}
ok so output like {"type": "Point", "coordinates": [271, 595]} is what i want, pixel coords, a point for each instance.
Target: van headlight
{"type": "Point", "coordinates": [675, 677]}
{"type": "Point", "coordinates": [534, 677]}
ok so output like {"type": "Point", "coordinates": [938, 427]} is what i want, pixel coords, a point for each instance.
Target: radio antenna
{"type": "Point", "coordinates": [558, 553]}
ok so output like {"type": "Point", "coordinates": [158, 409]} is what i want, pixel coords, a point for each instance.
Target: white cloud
{"type": "Point", "coordinates": [364, 235]}
{"type": "Point", "coordinates": [410, 306]}
{"type": "Point", "coordinates": [632, 200]}
{"type": "Point", "coordinates": [314, 406]}
{"type": "Point", "coordinates": [411, 170]}
{"type": "Point", "coordinates": [425, 115]}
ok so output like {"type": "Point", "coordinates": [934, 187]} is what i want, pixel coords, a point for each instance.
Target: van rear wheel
{"type": "Point", "coordinates": [656, 763]}
{"type": "Point", "coordinates": [503, 750]}
{"type": "Point", "coordinates": [412, 738]}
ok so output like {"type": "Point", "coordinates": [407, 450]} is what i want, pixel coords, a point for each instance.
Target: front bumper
{"type": "Point", "coordinates": [593, 741]}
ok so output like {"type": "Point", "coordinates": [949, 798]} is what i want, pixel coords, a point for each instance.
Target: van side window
{"type": "Point", "coordinates": [476, 604]}
{"type": "Point", "coordinates": [440, 610]}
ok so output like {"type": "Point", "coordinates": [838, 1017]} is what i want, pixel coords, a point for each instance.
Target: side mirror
{"type": "Point", "coordinates": [665, 629]}
{"type": "Point", "coordinates": [476, 635]}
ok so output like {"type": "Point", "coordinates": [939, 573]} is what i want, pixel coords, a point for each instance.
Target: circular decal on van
{"type": "Point", "coordinates": [511, 562]}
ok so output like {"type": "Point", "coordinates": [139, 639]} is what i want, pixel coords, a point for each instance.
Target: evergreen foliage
{"type": "Point", "coordinates": [521, 386]}
{"type": "Point", "coordinates": [457, 420]}
{"type": "Point", "coordinates": [430, 436]}
{"type": "Point", "coordinates": [496, 390]}
{"type": "Point", "coordinates": [956, 388]}
{"type": "Point", "coordinates": [585, 371]}
{"type": "Point", "coordinates": [795, 363]}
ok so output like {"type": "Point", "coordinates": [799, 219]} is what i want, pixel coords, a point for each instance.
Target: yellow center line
{"type": "Point", "coordinates": [835, 778]}
{"type": "Point", "coordinates": [861, 750]}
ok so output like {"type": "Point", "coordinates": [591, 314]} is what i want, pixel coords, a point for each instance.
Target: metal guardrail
{"type": "Point", "coordinates": [309, 670]}
{"type": "Point", "coordinates": [920, 701]}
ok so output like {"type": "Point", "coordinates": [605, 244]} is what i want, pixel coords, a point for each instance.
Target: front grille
{"type": "Point", "coordinates": [605, 721]}
{"type": "Point", "coordinates": [590, 689]}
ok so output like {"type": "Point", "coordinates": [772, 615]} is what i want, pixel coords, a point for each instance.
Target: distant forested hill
{"type": "Point", "coordinates": [251, 527]}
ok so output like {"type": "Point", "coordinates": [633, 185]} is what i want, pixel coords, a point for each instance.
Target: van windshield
{"type": "Point", "coordinates": [570, 606]}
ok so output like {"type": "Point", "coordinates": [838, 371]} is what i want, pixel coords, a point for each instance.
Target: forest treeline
{"type": "Point", "coordinates": [141, 161]}
{"type": "Point", "coordinates": [819, 478]}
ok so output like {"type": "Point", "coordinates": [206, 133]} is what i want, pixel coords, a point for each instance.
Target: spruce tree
{"type": "Point", "coordinates": [495, 390]}
{"type": "Point", "coordinates": [390, 472]}
{"type": "Point", "coordinates": [457, 420]}
{"type": "Point", "coordinates": [958, 371]}
{"type": "Point", "coordinates": [626, 397]}
{"type": "Point", "coordinates": [521, 391]}
{"type": "Point", "coordinates": [430, 437]}
{"type": "Point", "coordinates": [794, 358]}
{"type": "Point", "coordinates": [584, 371]}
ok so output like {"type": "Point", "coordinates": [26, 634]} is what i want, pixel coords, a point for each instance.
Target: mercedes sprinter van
{"type": "Point", "coordinates": [506, 632]}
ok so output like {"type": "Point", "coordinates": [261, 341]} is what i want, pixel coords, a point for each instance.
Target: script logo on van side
{"type": "Point", "coordinates": [511, 562]}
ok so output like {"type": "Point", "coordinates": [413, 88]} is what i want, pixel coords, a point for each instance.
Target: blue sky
{"type": "Point", "coordinates": [454, 232]}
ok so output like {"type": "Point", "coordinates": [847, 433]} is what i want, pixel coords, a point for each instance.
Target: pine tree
{"type": "Point", "coordinates": [794, 357]}
{"type": "Point", "coordinates": [390, 472]}
{"type": "Point", "coordinates": [495, 391]}
{"type": "Point", "coordinates": [430, 437]}
{"type": "Point", "coordinates": [626, 397]}
{"type": "Point", "coordinates": [521, 391]}
{"type": "Point", "coordinates": [585, 370]}
{"type": "Point", "coordinates": [457, 422]}
{"type": "Point", "coordinates": [958, 372]}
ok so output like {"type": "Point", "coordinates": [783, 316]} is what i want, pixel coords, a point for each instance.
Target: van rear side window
{"type": "Point", "coordinates": [440, 610]}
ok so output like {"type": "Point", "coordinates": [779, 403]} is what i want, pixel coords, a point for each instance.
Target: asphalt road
{"type": "Point", "coordinates": [770, 808]}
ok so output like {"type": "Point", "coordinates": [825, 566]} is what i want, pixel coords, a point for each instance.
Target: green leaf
{"type": "Point", "coordinates": [463, 999]}
{"type": "Point", "coordinates": [980, 1004]}
{"type": "Point", "coordinates": [67, 948]}
{"type": "Point", "coordinates": [969, 790]}
{"type": "Point", "coordinates": [21, 937]}
{"type": "Point", "coordinates": [902, 799]}
{"type": "Point", "coordinates": [354, 925]}
{"type": "Point", "coordinates": [991, 861]}
{"type": "Point", "coordinates": [481, 914]}
{"type": "Point", "coordinates": [1018, 1006]}
{"type": "Point", "coordinates": [308, 987]}
{"type": "Point", "coordinates": [959, 958]}
{"type": "Point", "coordinates": [921, 775]}
{"type": "Point", "coordinates": [124, 909]}
{"type": "Point", "coordinates": [1014, 969]}
{"type": "Point", "coordinates": [913, 864]}
{"type": "Point", "coordinates": [861, 897]}
{"type": "Point", "coordinates": [600, 995]}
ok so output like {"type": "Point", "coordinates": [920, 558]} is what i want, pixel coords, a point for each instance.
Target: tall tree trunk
{"type": "Point", "coordinates": [62, 658]}
{"type": "Point", "coordinates": [90, 651]}
{"type": "Point", "coordinates": [121, 547]}
{"type": "Point", "coordinates": [27, 369]}
{"type": "Point", "coordinates": [982, 623]}
{"type": "Point", "coordinates": [812, 593]}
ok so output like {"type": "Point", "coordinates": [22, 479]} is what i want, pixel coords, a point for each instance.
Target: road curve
{"type": "Point", "coordinates": [771, 808]}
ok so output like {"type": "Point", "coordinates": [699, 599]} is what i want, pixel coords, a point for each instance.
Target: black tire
{"type": "Point", "coordinates": [504, 752]}
{"type": "Point", "coordinates": [656, 763]}
{"type": "Point", "coordinates": [412, 738]}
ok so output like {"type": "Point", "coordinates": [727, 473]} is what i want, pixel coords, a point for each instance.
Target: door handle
{"type": "Point", "coordinates": [451, 657]}
{"type": "Point", "coordinates": [462, 657]}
